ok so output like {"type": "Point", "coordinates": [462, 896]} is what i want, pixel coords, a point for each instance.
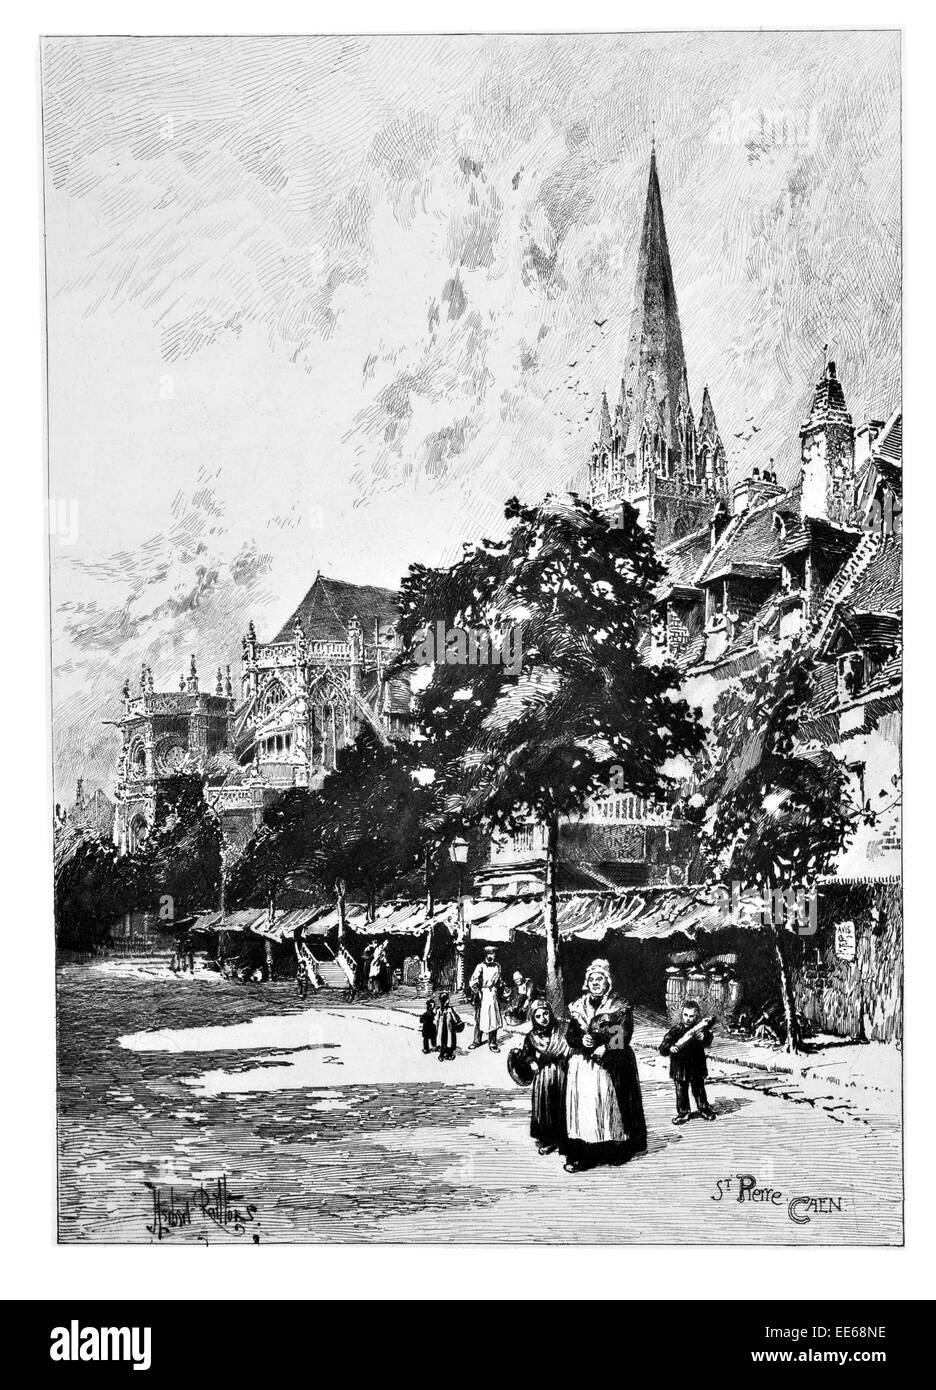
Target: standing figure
{"type": "Point", "coordinates": [364, 973]}
{"type": "Point", "coordinates": [604, 1106]}
{"type": "Point", "coordinates": [521, 998]}
{"type": "Point", "coordinates": [428, 1024]}
{"type": "Point", "coordinates": [685, 1046]}
{"type": "Point", "coordinates": [378, 971]}
{"type": "Point", "coordinates": [449, 1027]}
{"type": "Point", "coordinates": [544, 1058]}
{"type": "Point", "coordinates": [485, 984]}
{"type": "Point", "coordinates": [307, 971]}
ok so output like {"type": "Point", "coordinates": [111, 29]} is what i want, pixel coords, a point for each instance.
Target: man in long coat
{"type": "Point", "coordinates": [485, 987]}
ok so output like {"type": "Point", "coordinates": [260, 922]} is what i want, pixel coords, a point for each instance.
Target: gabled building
{"type": "Point", "coordinates": [306, 694]}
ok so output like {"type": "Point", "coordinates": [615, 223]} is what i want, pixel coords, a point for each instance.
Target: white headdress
{"type": "Point", "coordinates": [599, 966]}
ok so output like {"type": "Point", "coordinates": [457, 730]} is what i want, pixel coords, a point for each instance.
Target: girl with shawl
{"type": "Point", "coordinates": [543, 1058]}
{"type": "Point", "coordinates": [604, 1107]}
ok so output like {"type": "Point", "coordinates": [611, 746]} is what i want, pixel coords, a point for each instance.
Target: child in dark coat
{"type": "Point", "coordinates": [427, 1023]}
{"type": "Point", "coordinates": [545, 1056]}
{"type": "Point", "coordinates": [450, 1025]}
{"type": "Point", "coordinates": [688, 1065]}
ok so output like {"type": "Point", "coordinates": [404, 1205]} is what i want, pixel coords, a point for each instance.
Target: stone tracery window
{"type": "Point", "coordinates": [273, 695]}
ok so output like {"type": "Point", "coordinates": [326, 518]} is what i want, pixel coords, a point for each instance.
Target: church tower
{"type": "Point", "coordinates": [652, 454]}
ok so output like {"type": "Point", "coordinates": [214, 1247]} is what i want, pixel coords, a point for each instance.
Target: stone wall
{"type": "Point", "coordinates": [862, 997]}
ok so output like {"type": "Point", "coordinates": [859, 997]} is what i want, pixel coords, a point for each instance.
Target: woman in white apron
{"type": "Point", "coordinates": [604, 1106]}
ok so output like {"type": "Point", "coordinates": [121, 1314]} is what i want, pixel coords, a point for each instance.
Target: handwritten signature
{"type": "Point", "coordinates": [226, 1210]}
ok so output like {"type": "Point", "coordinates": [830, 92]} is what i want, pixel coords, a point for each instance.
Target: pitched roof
{"type": "Point", "coordinates": [682, 560]}
{"type": "Point", "coordinates": [330, 604]}
{"type": "Point", "coordinates": [889, 445]}
{"type": "Point", "coordinates": [749, 539]}
{"type": "Point", "coordinates": [878, 588]}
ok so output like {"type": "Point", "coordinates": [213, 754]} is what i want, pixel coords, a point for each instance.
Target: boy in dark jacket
{"type": "Point", "coordinates": [688, 1066]}
{"type": "Point", "coordinates": [427, 1023]}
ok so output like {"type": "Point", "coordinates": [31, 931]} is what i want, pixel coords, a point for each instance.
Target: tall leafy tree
{"type": "Point", "coordinates": [283, 846]}
{"type": "Point", "coordinates": [572, 707]}
{"type": "Point", "coordinates": [182, 854]}
{"type": "Point", "coordinates": [94, 887]}
{"type": "Point", "coordinates": [365, 827]}
{"type": "Point", "coordinates": [779, 811]}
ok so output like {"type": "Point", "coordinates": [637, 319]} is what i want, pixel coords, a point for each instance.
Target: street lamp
{"type": "Point", "coordinates": [458, 853]}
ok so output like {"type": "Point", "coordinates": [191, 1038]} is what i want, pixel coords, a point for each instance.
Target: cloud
{"type": "Point", "coordinates": [366, 291]}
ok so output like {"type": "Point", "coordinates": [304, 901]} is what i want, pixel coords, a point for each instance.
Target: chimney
{"type": "Point", "coordinates": [720, 519]}
{"type": "Point", "coordinates": [756, 488]}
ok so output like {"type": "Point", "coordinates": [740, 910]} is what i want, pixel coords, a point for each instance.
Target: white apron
{"type": "Point", "coordinates": [486, 978]}
{"type": "Point", "coordinates": [592, 1112]}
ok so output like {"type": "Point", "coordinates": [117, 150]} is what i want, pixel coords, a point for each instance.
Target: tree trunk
{"type": "Point", "coordinates": [341, 891]}
{"type": "Point", "coordinates": [554, 987]}
{"type": "Point", "coordinates": [793, 1039]}
{"type": "Point", "coordinates": [427, 872]}
{"type": "Point", "coordinates": [267, 943]}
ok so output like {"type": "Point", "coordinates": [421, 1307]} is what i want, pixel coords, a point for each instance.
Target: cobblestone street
{"type": "Point", "coordinates": [195, 1109]}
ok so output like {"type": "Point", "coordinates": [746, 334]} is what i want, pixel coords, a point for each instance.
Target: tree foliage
{"type": "Point", "coordinates": [584, 709]}
{"type": "Point", "coordinates": [94, 887]}
{"type": "Point", "coordinates": [365, 828]}
{"type": "Point", "coordinates": [181, 857]}
{"type": "Point", "coordinates": [779, 810]}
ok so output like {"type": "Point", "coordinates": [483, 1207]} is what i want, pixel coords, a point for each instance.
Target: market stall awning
{"type": "Point", "coordinates": [503, 919]}
{"type": "Point", "coordinates": [240, 921]}
{"type": "Point", "coordinates": [408, 919]}
{"type": "Point", "coordinates": [650, 914]}
{"type": "Point", "coordinates": [288, 922]}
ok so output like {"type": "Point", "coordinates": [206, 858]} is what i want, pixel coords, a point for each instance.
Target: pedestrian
{"type": "Point", "coordinates": [485, 986]}
{"type": "Point", "coordinates": [302, 975]}
{"type": "Point", "coordinates": [685, 1044]}
{"type": "Point", "coordinates": [364, 974]}
{"type": "Point", "coordinates": [449, 1026]}
{"type": "Point", "coordinates": [544, 1058]}
{"type": "Point", "coordinates": [521, 997]}
{"type": "Point", "coordinates": [377, 975]}
{"type": "Point", "coordinates": [307, 971]}
{"type": "Point", "coordinates": [429, 1026]}
{"type": "Point", "coordinates": [604, 1106]}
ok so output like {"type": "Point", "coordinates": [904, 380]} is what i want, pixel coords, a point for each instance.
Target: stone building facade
{"type": "Point", "coordinates": [165, 734]}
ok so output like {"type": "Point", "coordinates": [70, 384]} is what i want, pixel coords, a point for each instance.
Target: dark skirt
{"type": "Point", "coordinates": [548, 1114]}
{"type": "Point", "coordinates": [630, 1098]}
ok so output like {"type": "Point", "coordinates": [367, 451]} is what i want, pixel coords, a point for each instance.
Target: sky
{"type": "Point", "coordinates": [326, 303]}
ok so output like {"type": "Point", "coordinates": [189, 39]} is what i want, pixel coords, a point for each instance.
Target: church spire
{"type": "Point", "coordinates": [604, 423]}
{"type": "Point", "coordinates": [654, 344]}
